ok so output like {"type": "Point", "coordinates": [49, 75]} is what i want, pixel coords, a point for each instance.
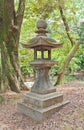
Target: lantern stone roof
{"type": "Point", "coordinates": [41, 40]}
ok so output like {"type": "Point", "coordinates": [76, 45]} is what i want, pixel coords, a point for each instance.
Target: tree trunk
{"type": "Point", "coordinates": [11, 77]}
{"type": "Point", "coordinates": [71, 53]}
{"type": "Point", "coordinates": [10, 70]}
{"type": "Point", "coordinates": [1, 24]}
{"type": "Point", "coordinates": [65, 64]}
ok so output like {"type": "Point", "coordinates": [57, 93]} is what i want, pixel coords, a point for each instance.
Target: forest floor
{"type": "Point", "coordinates": [70, 117]}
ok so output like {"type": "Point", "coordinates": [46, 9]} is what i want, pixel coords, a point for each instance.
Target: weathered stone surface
{"type": "Point", "coordinates": [41, 106]}
{"type": "Point", "coordinates": [43, 101]}
{"type": "Point", "coordinates": [42, 84]}
{"type": "Point", "coordinates": [39, 114]}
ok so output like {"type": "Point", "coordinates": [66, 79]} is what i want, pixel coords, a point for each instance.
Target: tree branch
{"type": "Point", "coordinates": [65, 23]}
{"type": "Point", "coordinates": [20, 12]}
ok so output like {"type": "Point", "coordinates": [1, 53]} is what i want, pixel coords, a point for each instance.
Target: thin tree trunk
{"type": "Point", "coordinates": [1, 28]}
{"type": "Point", "coordinates": [65, 64]}
{"type": "Point", "coordinates": [71, 53]}
{"type": "Point", "coordinates": [0, 68]}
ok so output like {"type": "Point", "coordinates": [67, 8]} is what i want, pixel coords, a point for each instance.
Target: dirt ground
{"type": "Point", "coordinates": [70, 117]}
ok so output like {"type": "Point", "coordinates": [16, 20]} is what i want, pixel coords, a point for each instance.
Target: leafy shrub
{"type": "Point", "coordinates": [26, 70]}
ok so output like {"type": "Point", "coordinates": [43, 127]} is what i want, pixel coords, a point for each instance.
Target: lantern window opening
{"type": "Point", "coordinates": [45, 56]}
{"type": "Point", "coordinates": [39, 54]}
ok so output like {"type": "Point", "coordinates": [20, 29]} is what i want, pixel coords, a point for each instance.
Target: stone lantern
{"type": "Point", "coordinates": [42, 100]}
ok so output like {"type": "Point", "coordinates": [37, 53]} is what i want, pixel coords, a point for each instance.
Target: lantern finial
{"type": "Point", "coordinates": [41, 25]}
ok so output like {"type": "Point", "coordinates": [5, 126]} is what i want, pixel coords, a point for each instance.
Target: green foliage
{"type": "Point", "coordinates": [75, 64]}
{"type": "Point", "coordinates": [80, 56]}
{"type": "Point", "coordinates": [25, 69]}
{"type": "Point", "coordinates": [25, 56]}
{"type": "Point", "coordinates": [48, 10]}
{"type": "Point", "coordinates": [82, 61]}
{"type": "Point", "coordinates": [73, 77]}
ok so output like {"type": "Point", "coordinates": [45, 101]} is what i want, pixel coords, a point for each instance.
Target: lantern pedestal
{"type": "Point", "coordinates": [41, 106]}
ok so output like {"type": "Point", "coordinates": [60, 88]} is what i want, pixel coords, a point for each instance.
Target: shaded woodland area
{"type": "Point", "coordinates": [65, 25]}
{"type": "Point", "coordinates": [17, 26]}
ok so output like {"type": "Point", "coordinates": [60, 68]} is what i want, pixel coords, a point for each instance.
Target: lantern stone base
{"type": "Point", "coordinates": [41, 106]}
